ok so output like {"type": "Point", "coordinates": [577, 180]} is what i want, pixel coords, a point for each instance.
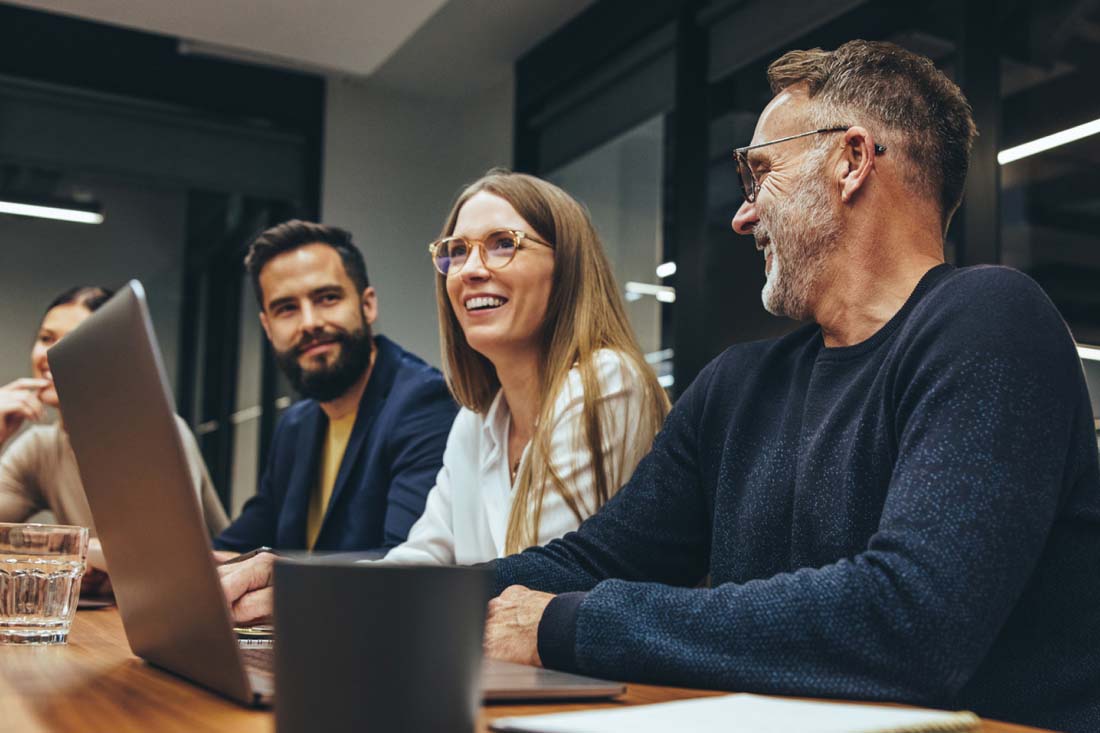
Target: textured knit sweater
{"type": "Point", "coordinates": [914, 518]}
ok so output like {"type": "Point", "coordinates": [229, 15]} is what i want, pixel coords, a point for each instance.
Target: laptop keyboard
{"type": "Point", "coordinates": [259, 663]}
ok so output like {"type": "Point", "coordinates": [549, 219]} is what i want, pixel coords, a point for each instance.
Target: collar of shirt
{"type": "Point", "coordinates": [494, 428]}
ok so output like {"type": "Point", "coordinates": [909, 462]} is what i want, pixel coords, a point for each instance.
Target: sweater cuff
{"type": "Point", "coordinates": [558, 632]}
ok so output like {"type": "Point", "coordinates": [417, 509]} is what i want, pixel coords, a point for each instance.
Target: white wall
{"type": "Point", "coordinates": [393, 165]}
{"type": "Point", "coordinates": [142, 237]}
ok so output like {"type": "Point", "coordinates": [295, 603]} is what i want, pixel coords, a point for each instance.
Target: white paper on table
{"type": "Point", "coordinates": [745, 713]}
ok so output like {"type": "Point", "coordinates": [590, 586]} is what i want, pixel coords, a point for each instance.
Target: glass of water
{"type": "Point", "coordinates": [40, 570]}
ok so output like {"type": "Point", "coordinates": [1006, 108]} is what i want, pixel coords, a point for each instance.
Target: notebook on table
{"type": "Point", "coordinates": [744, 713]}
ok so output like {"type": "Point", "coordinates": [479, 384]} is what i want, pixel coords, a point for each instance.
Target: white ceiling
{"type": "Point", "coordinates": [349, 36]}
{"type": "Point", "coordinates": [436, 47]}
{"type": "Point", "coordinates": [472, 45]}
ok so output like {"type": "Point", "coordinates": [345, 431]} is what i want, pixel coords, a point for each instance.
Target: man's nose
{"type": "Point", "coordinates": [744, 221]}
{"type": "Point", "coordinates": [311, 317]}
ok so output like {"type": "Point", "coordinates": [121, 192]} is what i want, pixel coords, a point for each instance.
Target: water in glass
{"type": "Point", "coordinates": [40, 571]}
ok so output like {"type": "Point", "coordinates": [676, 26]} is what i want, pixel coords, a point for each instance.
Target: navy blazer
{"type": "Point", "coordinates": [390, 464]}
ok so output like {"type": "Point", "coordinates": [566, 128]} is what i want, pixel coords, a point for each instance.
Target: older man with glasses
{"type": "Point", "coordinates": [898, 501]}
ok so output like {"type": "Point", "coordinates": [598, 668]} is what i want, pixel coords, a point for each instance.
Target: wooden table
{"type": "Point", "coordinates": [94, 683]}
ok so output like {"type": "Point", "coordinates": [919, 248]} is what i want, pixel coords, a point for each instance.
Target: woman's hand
{"type": "Point", "coordinates": [19, 402]}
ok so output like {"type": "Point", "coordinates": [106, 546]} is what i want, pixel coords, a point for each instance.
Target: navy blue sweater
{"type": "Point", "coordinates": [913, 518]}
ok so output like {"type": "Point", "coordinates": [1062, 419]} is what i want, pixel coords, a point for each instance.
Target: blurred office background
{"type": "Point", "coordinates": [191, 126]}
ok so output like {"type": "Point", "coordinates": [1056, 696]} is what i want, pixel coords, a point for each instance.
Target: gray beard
{"type": "Point", "coordinates": [804, 231]}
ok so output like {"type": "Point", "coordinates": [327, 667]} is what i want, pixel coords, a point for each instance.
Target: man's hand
{"type": "Point", "coordinates": [247, 587]}
{"type": "Point", "coordinates": [19, 402]}
{"type": "Point", "coordinates": [512, 626]}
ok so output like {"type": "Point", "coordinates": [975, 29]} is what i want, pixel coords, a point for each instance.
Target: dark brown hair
{"type": "Point", "coordinates": [89, 296]}
{"type": "Point", "coordinates": [918, 111]}
{"type": "Point", "coordinates": [291, 235]}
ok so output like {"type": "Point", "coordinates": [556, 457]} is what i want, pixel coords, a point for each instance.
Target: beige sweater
{"type": "Point", "coordinates": [38, 471]}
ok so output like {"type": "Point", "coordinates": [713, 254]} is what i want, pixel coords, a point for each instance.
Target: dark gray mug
{"type": "Point", "coordinates": [377, 648]}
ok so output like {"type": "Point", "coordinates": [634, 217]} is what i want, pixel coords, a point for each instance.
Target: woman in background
{"type": "Point", "coordinates": [38, 470]}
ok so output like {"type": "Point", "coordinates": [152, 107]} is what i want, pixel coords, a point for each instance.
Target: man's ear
{"type": "Point", "coordinates": [859, 161]}
{"type": "Point", "coordinates": [370, 305]}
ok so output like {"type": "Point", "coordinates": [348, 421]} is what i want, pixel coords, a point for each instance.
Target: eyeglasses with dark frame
{"type": "Point", "coordinates": [498, 248]}
{"type": "Point", "coordinates": [749, 184]}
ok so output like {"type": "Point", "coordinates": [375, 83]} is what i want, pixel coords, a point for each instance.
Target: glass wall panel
{"type": "Point", "coordinates": [245, 420]}
{"type": "Point", "coordinates": [620, 182]}
{"type": "Point", "coordinates": [1050, 201]}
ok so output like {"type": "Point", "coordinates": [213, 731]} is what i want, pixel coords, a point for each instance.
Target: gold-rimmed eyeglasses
{"type": "Point", "coordinates": [749, 184]}
{"type": "Point", "coordinates": [498, 248]}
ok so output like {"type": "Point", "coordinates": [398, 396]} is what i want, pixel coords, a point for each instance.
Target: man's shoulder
{"type": "Point", "coordinates": [968, 285]}
{"type": "Point", "coordinates": [417, 385]}
{"type": "Point", "coordinates": [990, 300]}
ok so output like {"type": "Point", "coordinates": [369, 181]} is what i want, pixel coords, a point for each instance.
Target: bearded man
{"type": "Point", "coordinates": [899, 501]}
{"type": "Point", "coordinates": [350, 466]}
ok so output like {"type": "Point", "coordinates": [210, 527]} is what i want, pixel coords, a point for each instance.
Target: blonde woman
{"type": "Point", "coordinates": [558, 403]}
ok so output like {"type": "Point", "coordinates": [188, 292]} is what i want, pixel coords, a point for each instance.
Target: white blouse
{"type": "Point", "coordinates": [466, 516]}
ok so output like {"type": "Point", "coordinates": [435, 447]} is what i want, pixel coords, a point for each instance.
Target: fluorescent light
{"type": "Point", "coordinates": [666, 269]}
{"type": "Point", "coordinates": [663, 293]}
{"type": "Point", "coordinates": [1091, 353]}
{"type": "Point", "coordinates": [656, 357]}
{"type": "Point", "coordinates": [666, 380]}
{"type": "Point", "coordinates": [80, 216]}
{"type": "Point", "coordinates": [1050, 141]}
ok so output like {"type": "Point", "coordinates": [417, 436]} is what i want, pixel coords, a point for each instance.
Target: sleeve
{"type": "Point", "coordinates": [212, 510]}
{"type": "Point", "coordinates": [417, 446]}
{"type": "Point", "coordinates": [20, 496]}
{"type": "Point", "coordinates": [620, 403]}
{"type": "Point", "coordinates": [656, 527]}
{"type": "Point", "coordinates": [258, 522]}
{"type": "Point", "coordinates": [985, 411]}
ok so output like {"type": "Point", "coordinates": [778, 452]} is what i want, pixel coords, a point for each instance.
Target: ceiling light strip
{"type": "Point", "coordinates": [1050, 141]}
{"type": "Point", "coordinates": [51, 212]}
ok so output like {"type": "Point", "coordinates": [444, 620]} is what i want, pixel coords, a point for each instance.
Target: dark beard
{"type": "Point", "coordinates": [328, 383]}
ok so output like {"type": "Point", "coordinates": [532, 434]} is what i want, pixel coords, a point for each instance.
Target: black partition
{"type": "Point", "coordinates": [1027, 67]}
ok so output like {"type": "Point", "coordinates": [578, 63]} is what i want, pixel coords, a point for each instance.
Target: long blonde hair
{"type": "Point", "coordinates": [585, 313]}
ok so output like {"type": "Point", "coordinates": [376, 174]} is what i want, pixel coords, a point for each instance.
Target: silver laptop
{"type": "Point", "coordinates": [119, 414]}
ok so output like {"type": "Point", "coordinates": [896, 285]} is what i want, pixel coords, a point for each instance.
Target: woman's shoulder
{"type": "Point", "coordinates": [467, 425]}
{"type": "Point", "coordinates": [37, 441]}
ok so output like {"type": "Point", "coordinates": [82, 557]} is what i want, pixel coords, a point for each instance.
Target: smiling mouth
{"type": "Point", "coordinates": [485, 302]}
{"type": "Point", "coordinates": [313, 345]}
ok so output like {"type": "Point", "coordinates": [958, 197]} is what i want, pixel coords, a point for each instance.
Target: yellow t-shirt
{"type": "Point", "coordinates": [332, 453]}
